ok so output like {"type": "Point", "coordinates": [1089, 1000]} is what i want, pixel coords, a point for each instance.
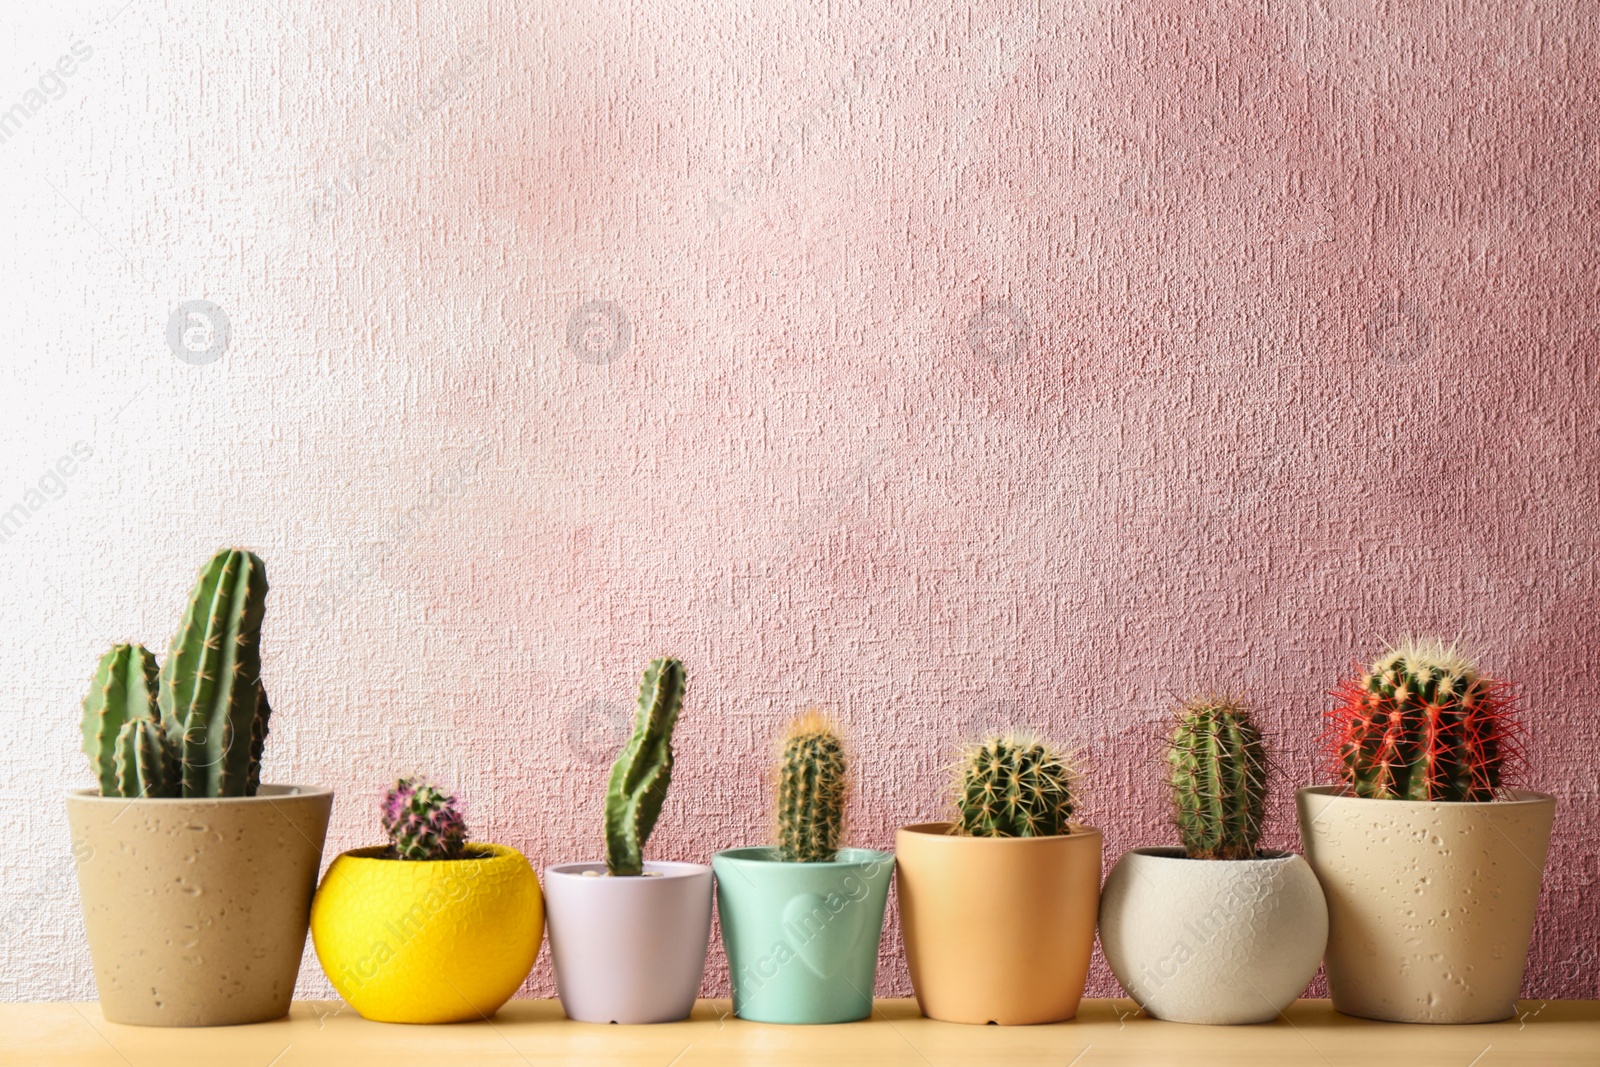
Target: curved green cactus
{"type": "Point", "coordinates": [643, 770]}
{"type": "Point", "coordinates": [211, 681]}
{"type": "Point", "coordinates": [1014, 787]}
{"type": "Point", "coordinates": [1219, 779]}
{"type": "Point", "coordinates": [124, 688]}
{"type": "Point", "coordinates": [144, 762]}
{"type": "Point", "coordinates": [811, 792]}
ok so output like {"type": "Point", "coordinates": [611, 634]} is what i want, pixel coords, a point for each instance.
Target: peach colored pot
{"type": "Point", "coordinates": [196, 909]}
{"type": "Point", "coordinates": [998, 929]}
{"type": "Point", "coordinates": [1430, 904]}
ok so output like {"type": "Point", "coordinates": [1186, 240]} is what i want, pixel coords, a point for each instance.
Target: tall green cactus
{"type": "Point", "coordinates": [642, 772]}
{"type": "Point", "coordinates": [1014, 787]}
{"type": "Point", "coordinates": [811, 792]}
{"type": "Point", "coordinates": [211, 681]}
{"type": "Point", "coordinates": [1219, 779]}
{"type": "Point", "coordinates": [123, 689]}
{"type": "Point", "coordinates": [144, 761]}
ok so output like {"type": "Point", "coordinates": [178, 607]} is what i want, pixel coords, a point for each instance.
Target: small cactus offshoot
{"type": "Point", "coordinates": [1219, 779]}
{"type": "Point", "coordinates": [811, 791]}
{"type": "Point", "coordinates": [641, 774]}
{"type": "Point", "coordinates": [1424, 724]}
{"type": "Point", "coordinates": [1014, 787]}
{"type": "Point", "coordinates": [423, 823]}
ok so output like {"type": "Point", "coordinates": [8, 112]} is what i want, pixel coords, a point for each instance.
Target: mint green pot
{"type": "Point", "coordinates": [802, 938]}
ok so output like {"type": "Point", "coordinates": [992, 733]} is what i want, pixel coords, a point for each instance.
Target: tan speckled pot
{"type": "Point", "coordinates": [1430, 905]}
{"type": "Point", "coordinates": [196, 910]}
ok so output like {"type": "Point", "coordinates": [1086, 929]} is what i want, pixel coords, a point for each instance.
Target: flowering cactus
{"type": "Point", "coordinates": [423, 823]}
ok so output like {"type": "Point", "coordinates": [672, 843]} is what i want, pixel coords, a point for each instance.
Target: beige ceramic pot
{"type": "Point", "coordinates": [998, 929]}
{"type": "Point", "coordinates": [1430, 904]}
{"type": "Point", "coordinates": [196, 910]}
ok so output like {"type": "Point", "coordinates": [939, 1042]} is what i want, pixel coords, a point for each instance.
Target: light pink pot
{"type": "Point", "coordinates": [628, 950]}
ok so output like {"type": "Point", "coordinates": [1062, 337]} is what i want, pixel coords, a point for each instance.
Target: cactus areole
{"type": "Point", "coordinates": [643, 770]}
{"type": "Point", "coordinates": [1424, 724]}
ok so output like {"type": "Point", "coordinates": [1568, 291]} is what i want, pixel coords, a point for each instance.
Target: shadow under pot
{"type": "Point", "coordinates": [998, 929]}
{"type": "Point", "coordinates": [1212, 941]}
{"type": "Point", "coordinates": [428, 941]}
{"type": "Point", "coordinates": [802, 938]}
{"type": "Point", "coordinates": [628, 949]}
{"type": "Point", "coordinates": [196, 909]}
{"type": "Point", "coordinates": [1430, 903]}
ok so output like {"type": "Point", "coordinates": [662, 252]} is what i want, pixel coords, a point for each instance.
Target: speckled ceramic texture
{"type": "Point", "coordinates": [1212, 941]}
{"type": "Point", "coordinates": [802, 938]}
{"type": "Point", "coordinates": [428, 941]}
{"type": "Point", "coordinates": [196, 910]}
{"type": "Point", "coordinates": [998, 929]}
{"type": "Point", "coordinates": [628, 950]}
{"type": "Point", "coordinates": [1430, 905]}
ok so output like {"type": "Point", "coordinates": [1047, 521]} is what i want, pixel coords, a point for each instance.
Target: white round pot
{"type": "Point", "coordinates": [1212, 941]}
{"type": "Point", "coordinates": [1430, 903]}
{"type": "Point", "coordinates": [628, 950]}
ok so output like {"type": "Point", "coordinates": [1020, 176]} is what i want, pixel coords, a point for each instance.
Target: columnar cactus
{"type": "Point", "coordinates": [144, 763]}
{"type": "Point", "coordinates": [122, 690]}
{"type": "Point", "coordinates": [642, 772]}
{"type": "Point", "coordinates": [811, 792]}
{"type": "Point", "coordinates": [1424, 724]}
{"type": "Point", "coordinates": [1014, 787]}
{"type": "Point", "coordinates": [211, 681]}
{"type": "Point", "coordinates": [422, 822]}
{"type": "Point", "coordinates": [1219, 779]}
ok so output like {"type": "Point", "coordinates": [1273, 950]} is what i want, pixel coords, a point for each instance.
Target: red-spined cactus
{"type": "Point", "coordinates": [423, 823]}
{"type": "Point", "coordinates": [1424, 724]}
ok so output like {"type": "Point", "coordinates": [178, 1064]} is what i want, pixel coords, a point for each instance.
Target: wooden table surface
{"type": "Point", "coordinates": [535, 1032]}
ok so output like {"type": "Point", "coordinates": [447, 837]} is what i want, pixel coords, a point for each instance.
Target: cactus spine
{"type": "Point", "coordinates": [211, 681]}
{"type": "Point", "coordinates": [1014, 787]}
{"type": "Point", "coordinates": [642, 772]}
{"type": "Point", "coordinates": [144, 763]}
{"type": "Point", "coordinates": [123, 689]}
{"type": "Point", "coordinates": [1423, 724]}
{"type": "Point", "coordinates": [422, 822]}
{"type": "Point", "coordinates": [1219, 780]}
{"type": "Point", "coordinates": [811, 792]}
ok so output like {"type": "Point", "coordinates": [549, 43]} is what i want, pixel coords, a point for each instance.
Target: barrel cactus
{"type": "Point", "coordinates": [423, 823]}
{"type": "Point", "coordinates": [198, 721]}
{"type": "Point", "coordinates": [811, 791]}
{"type": "Point", "coordinates": [1219, 779]}
{"type": "Point", "coordinates": [642, 772]}
{"type": "Point", "coordinates": [1424, 723]}
{"type": "Point", "coordinates": [1009, 786]}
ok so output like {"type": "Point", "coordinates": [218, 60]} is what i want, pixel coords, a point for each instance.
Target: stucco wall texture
{"type": "Point", "coordinates": [940, 365]}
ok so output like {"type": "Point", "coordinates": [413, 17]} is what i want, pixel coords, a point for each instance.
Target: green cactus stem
{"type": "Point", "coordinates": [1010, 786]}
{"type": "Point", "coordinates": [642, 772]}
{"type": "Point", "coordinates": [1219, 779]}
{"type": "Point", "coordinates": [210, 683]}
{"type": "Point", "coordinates": [124, 688]}
{"type": "Point", "coordinates": [258, 742]}
{"type": "Point", "coordinates": [423, 822]}
{"type": "Point", "coordinates": [145, 766]}
{"type": "Point", "coordinates": [811, 792]}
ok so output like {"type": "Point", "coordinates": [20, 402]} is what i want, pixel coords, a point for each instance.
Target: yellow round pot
{"type": "Point", "coordinates": [428, 941]}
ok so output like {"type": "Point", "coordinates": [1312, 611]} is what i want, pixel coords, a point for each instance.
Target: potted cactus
{"type": "Point", "coordinates": [1430, 861]}
{"type": "Point", "coordinates": [430, 928]}
{"type": "Point", "coordinates": [998, 906]}
{"type": "Point", "coordinates": [802, 919]}
{"type": "Point", "coordinates": [196, 879]}
{"type": "Point", "coordinates": [1219, 930]}
{"type": "Point", "coordinates": [628, 936]}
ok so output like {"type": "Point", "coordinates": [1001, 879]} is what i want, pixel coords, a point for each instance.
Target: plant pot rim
{"type": "Point", "coordinates": [941, 830]}
{"type": "Point", "coordinates": [1176, 854]}
{"type": "Point", "coordinates": [1513, 798]}
{"type": "Point", "coordinates": [268, 793]}
{"type": "Point", "coordinates": [762, 856]}
{"type": "Point", "coordinates": [373, 855]}
{"type": "Point", "coordinates": [668, 870]}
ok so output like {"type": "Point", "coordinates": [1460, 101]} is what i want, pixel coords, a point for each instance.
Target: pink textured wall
{"type": "Point", "coordinates": [984, 363]}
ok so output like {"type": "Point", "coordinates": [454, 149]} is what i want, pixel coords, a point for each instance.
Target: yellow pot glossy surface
{"type": "Point", "coordinates": [428, 941]}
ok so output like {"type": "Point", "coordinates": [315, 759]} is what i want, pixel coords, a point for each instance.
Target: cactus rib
{"type": "Point", "coordinates": [1218, 768]}
{"type": "Point", "coordinates": [642, 772]}
{"type": "Point", "coordinates": [811, 792]}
